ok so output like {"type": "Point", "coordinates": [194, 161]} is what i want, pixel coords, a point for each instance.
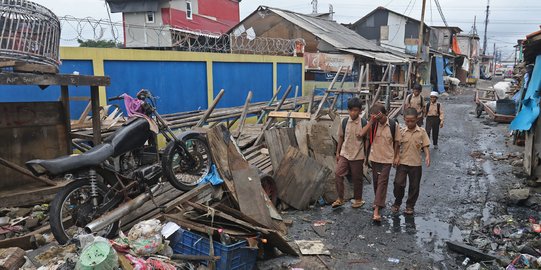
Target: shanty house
{"type": "Point", "coordinates": [327, 45]}
{"type": "Point", "coordinates": [391, 29]}
{"type": "Point", "coordinates": [166, 23]}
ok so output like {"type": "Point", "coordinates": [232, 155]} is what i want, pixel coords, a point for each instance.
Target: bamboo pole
{"type": "Point", "coordinates": [210, 109]}
{"type": "Point", "coordinates": [243, 115]}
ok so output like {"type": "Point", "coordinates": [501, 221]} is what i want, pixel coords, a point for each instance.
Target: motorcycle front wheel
{"type": "Point", "coordinates": [72, 209]}
{"type": "Point", "coordinates": [183, 173]}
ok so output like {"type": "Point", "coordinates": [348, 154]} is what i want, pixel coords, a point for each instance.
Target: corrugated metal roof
{"type": "Point", "coordinates": [331, 32]}
{"type": "Point", "coordinates": [381, 57]}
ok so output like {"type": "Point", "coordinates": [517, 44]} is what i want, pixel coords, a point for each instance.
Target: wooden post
{"type": "Point", "coordinates": [388, 89]}
{"type": "Point", "coordinates": [244, 113]}
{"type": "Point", "coordinates": [260, 119]}
{"type": "Point", "coordinates": [341, 88]}
{"type": "Point", "coordinates": [96, 121]}
{"type": "Point", "coordinates": [311, 104]}
{"type": "Point", "coordinates": [291, 120]}
{"type": "Point", "coordinates": [210, 109]}
{"type": "Point", "coordinates": [66, 104]}
{"type": "Point", "coordinates": [269, 120]}
{"type": "Point", "coordinates": [326, 95]}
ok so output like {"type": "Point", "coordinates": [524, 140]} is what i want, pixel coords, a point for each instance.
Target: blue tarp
{"type": "Point", "coordinates": [212, 177]}
{"type": "Point", "coordinates": [530, 104]}
{"type": "Point", "coordinates": [439, 73]}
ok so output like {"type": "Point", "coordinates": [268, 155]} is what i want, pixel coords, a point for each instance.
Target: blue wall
{"type": "Point", "coordinates": [27, 93]}
{"type": "Point", "coordinates": [289, 74]}
{"type": "Point", "coordinates": [239, 78]}
{"type": "Point", "coordinates": [180, 86]}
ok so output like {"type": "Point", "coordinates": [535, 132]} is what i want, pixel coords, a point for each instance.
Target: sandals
{"type": "Point", "coordinates": [395, 209]}
{"type": "Point", "coordinates": [337, 203]}
{"type": "Point", "coordinates": [376, 218]}
{"type": "Point", "coordinates": [409, 211]}
{"type": "Point", "coordinates": [357, 204]}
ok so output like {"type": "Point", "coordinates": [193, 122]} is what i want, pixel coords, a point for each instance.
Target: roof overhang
{"type": "Point", "coordinates": [380, 57]}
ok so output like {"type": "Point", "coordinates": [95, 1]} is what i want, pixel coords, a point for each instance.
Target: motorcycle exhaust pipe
{"type": "Point", "coordinates": [116, 214]}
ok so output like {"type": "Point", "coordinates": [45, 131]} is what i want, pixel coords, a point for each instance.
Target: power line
{"type": "Point", "coordinates": [441, 12]}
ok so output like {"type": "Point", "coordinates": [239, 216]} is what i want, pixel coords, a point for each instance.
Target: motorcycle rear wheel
{"type": "Point", "coordinates": [181, 173]}
{"type": "Point", "coordinates": [75, 197]}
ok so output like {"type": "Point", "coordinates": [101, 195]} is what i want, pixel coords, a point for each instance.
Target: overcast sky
{"type": "Point", "coordinates": [509, 20]}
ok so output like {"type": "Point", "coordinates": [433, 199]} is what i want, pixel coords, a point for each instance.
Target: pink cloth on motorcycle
{"type": "Point", "coordinates": [135, 109]}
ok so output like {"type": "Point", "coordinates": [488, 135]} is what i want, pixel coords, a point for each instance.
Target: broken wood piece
{"type": "Point", "coordinates": [300, 178]}
{"type": "Point", "coordinates": [470, 251]}
{"type": "Point", "coordinates": [296, 115]}
{"type": "Point", "coordinates": [269, 120]}
{"type": "Point", "coordinates": [188, 196]}
{"type": "Point", "coordinates": [278, 141]}
{"type": "Point", "coordinates": [326, 95]}
{"type": "Point", "coordinates": [312, 247]}
{"type": "Point", "coordinates": [26, 172]}
{"type": "Point", "coordinates": [220, 140]}
{"type": "Point", "coordinates": [209, 111]}
{"type": "Point", "coordinates": [244, 114]}
{"type": "Point", "coordinates": [34, 68]}
{"type": "Point", "coordinates": [260, 118]}
{"type": "Point", "coordinates": [12, 258]}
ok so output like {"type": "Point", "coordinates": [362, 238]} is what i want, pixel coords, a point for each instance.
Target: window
{"type": "Point", "coordinates": [188, 10]}
{"type": "Point", "coordinates": [150, 17]}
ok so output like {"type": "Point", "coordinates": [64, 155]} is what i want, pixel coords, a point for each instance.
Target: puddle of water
{"type": "Point", "coordinates": [430, 232]}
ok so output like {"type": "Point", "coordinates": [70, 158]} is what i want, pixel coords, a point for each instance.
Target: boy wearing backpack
{"type": "Point", "coordinates": [350, 154]}
{"type": "Point", "coordinates": [384, 149]}
{"type": "Point", "coordinates": [416, 101]}
{"type": "Point", "coordinates": [434, 118]}
{"type": "Point", "coordinates": [414, 140]}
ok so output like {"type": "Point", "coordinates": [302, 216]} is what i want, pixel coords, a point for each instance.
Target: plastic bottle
{"type": "Point", "coordinates": [466, 261]}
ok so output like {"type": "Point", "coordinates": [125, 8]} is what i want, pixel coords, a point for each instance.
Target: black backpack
{"type": "Point", "coordinates": [367, 145]}
{"type": "Point", "coordinates": [422, 99]}
{"type": "Point", "coordinates": [428, 107]}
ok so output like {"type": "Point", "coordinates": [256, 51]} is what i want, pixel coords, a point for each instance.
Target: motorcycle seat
{"type": "Point", "coordinates": [57, 166]}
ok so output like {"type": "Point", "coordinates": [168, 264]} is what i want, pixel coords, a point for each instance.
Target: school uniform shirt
{"type": "Point", "coordinates": [417, 103]}
{"type": "Point", "coordinates": [433, 110]}
{"type": "Point", "coordinates": [353, 146]}
{"type": "Point", "coordinates": [411, 144]}
{"type": "Point", "coordinates": [382, 149]}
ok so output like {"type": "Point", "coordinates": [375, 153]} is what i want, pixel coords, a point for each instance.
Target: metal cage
{"type": "Point", "coordinates": [29, 33]}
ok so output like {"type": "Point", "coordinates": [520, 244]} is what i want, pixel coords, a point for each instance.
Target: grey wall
{"type": "Point", "coordinates": [369, 28]}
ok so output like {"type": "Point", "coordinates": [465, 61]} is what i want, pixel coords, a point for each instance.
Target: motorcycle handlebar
{"type": "Point", "coordinates": [115, 98]}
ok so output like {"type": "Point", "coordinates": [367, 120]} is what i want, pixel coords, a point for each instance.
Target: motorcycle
{"type": "Point", "coordinates": [116, 177]}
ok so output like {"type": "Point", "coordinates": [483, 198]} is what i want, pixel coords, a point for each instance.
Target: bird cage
{"type": "Point", "coordinates": [29, 33]}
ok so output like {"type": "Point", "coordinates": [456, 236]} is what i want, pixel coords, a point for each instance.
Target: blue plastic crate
{"type": "Point", "coordinates": [237, 256]}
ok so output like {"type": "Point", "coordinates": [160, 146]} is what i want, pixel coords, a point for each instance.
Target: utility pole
{"type": "Point", "coordinates": [314, 6]}
{"type": "Point", "coordinates": [421, 31]}
{"type": "Point", "coordinates": [486, 25]}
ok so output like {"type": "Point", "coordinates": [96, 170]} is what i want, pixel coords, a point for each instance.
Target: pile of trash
{"type": "Point", "coordinates": [150, 244]}
{"type": "Point", "coordinates": [17, 221]}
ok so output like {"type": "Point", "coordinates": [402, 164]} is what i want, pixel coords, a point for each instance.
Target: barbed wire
{"type": "Point", "coordinates": [164, 36]}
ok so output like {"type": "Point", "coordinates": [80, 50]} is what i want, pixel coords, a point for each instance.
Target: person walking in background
{"type": "Point", "coordinates": [350, 154]}
{"type": "Point", "coordinates": [414, 141]}
{"type": "Point", "coordinates": [416, 101]}
{"type": "Point", "coordinates": [434, 118]}
{"type": "Point", "coordinates": [384, 146]}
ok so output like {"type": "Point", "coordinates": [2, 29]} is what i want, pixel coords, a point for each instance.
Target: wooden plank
{"type": "Point", "coordinates": [96, 121]}
{"type": "Point", "coordinates": [301, 134]}
{"type": "Point", "coordinates": [470, 251]}
{"type": "Point", "coordinates": [15, 78]}
{"type": "Point", "coordinates": [203, 119]}
{"type": "Point", "coordinates": [66, 106]}
{"type": "Point", "coordinates": [25, 196]}
{"type": "Point", "coordinates": [296, 115]}
{"type": "Point", "coordinates": [26, 172]}
{"type": "Point", "coordinates": [269, 120]}
{"type": "Point", "coordinates": [260, 118]}
{"type": "Point", "coordinates": [187, 196]}
{"type": "Point", "coordinates": [278, 140]}
{"type": "Point", "coordinates": [244, 114]}
{"type": "Point", "coordinates": [34, 68]}
{"type": "Point", "coordinates": [250, 195]}
{"type": "Point", "coordinates": [299, 178]}
{"type": "Point", "coordinates": [219, 140]}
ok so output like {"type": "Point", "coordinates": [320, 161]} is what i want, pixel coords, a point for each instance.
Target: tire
{"type": "Point", "coordinates": [182, 176]}
{"type": "Point", "coordinates": [55, 212]}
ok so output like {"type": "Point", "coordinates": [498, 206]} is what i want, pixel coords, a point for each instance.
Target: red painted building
{"type": "Point", "coordinates": [162, 23]}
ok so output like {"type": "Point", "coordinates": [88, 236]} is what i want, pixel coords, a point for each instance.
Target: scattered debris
{"type": "Point", "coordinates": [312, 247]}
{"type": "Point", "coordinates": [518, 195]}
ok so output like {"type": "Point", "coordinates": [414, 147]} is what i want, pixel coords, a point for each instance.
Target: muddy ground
{"type": "Point", "coordinates": [451, 204]}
